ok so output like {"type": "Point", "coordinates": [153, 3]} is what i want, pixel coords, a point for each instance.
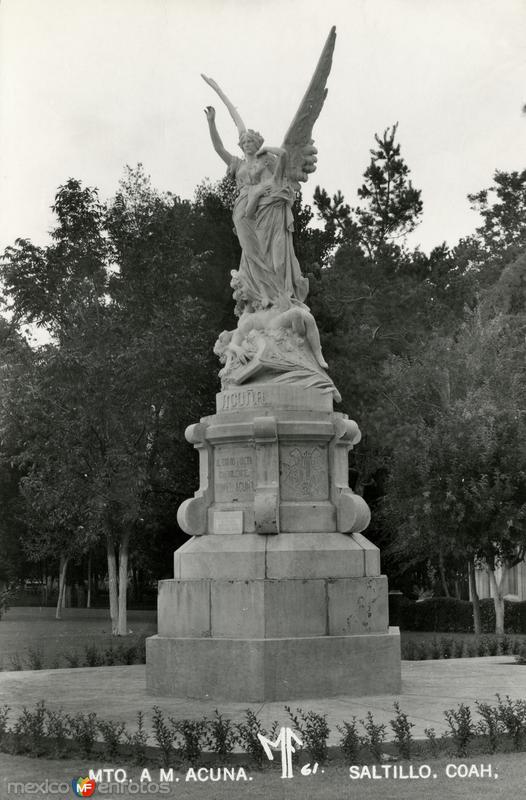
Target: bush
{"type": "Point", "coordinates": [29, 730]}
{"type": "Point", "coordinates": [125, 654]}
{"type": "Point", "coordinates": [490, 724]}
{"type": "Point", "coordinates": [84, 729]}
{"type": "Point", "coordinates": [221, 736]}
{"type": "Point", "coordinates": [73, 660]}
{"type": "Point", "coordinates": [461, 727]}
{"type": "Point", "coordinates": [520, 658]}
{"type": "Point", "coordinates": [16, 662]}
{"type": "Point", "coordinates": [458, 648]}
{"type": "Point", "coordinates": [402, 731]}
{"type": "Point", "coordinates": [472, 649]}
{"type": "Point", "coordinates": [57, 729]}
{"type": "Point", "coordinates": [350, 742]}
{"type": "Point", "coordinates": [4, 714]}
{"type": "Point", "coordinates": [43, 732]}
{"type": "Point", "coordinates": [512, 716]}
{"type": "Point", "coordinates": [437, 614]}
{"type": "Point", "coordinates": [434, 649]}
{"type": "Point", "coordinates": [6, 598]}
{"type": "Point", "coordinates": [138, 741]}
{"type": "Point", "coordinates": [515, 616]}
{"type": "Point", "coordinates": [247, 736]}
{"type": "Point", "coordinates": [423, 651]}
{"type": "Point", "coordinates": [397, 603]}
{"type": "Point", "coordinates": [92, 656]}
{"type": "Point", "coordinates": [313, 730]}
{"type": "Point", "coordinates": [112, 734]}
{"type": "Point", "coordinates": [190, 736]}
{"type": "Point", "coordinates": [163, 736]}
{"type": "Point", "coordinates": [375, 736]}
{"type": "Point", "coordinates": [433, 742]}
{"type": "Point", "coordinates": [409, 650]}
{"type": "Point", "coordinates": [447, 647]}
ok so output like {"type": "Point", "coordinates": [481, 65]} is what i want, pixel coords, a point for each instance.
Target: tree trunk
{"type": "Point", "coordinates": [61, 585]}
{"type": "Point", "coordinates": [112, 584]}
{"type": "Point", "coordinates": [498, 598]}
{"type": "Point", "coordinates": [88, 597]}
{"type": "Point", "coordinates": [122, 627]}
{"type": "Point", "coordinates": [135, 578]}
{"type": "Point", "coordinates": [477, 625]}
{"type": "Point", "coordinates": [442, 571]}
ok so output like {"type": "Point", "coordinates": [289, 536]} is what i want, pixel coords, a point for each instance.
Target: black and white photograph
{"type": "Point", "coordinates": [262, 399]}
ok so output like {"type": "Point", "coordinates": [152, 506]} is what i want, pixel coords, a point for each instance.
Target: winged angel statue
{"type": "Point", "coordinates": [276, 338]}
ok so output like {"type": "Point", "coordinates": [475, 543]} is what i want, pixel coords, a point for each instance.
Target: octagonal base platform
{"type": "Point", "coordinates": [259, 670]}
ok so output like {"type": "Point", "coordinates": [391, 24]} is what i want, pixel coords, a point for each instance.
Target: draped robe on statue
{"type": "Point", "coordinates": [268, 266]}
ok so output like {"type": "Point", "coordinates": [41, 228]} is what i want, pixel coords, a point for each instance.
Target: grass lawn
{"type": "Point", "coordinates": [508, 779]}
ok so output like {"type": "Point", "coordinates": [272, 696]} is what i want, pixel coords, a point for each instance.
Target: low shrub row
{"type": "Point", "coordinates": [135, 653]}
{"type": "Point", "coordinates": [448, 615]}
{"type": "Point", "coordinates": [450, 647]}
{"type": "Point", "coordinates": [44, 732]}
{"type": "Point", "coordinates": [91, 656]}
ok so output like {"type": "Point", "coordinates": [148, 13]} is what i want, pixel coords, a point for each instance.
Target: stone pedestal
{"type": "Point", "coordinates": [278, 595]}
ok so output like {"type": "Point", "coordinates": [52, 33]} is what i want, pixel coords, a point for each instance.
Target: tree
{"type": "Point", "coordinates": [391, 207]}
{"type": "Point", "coordinates": [501, 238]}
{"type": "Point", "coordinates": [51, 286]}
{"type": "Point", "coordinates": [376, 298]}
{"type": "Point", "coordinates": [73, 399]}
{"type": "Point", "coordinates": [124, 291]}
{"type": "Point", "coordinates": [503, 230]}
{"type": "Point", "coordinates": [457, 481]}
{"type": "Point", "coordinates": [14, 355]}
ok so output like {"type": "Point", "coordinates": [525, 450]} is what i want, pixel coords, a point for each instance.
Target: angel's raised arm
{"type": "Point", "coordinates": [215, 137]}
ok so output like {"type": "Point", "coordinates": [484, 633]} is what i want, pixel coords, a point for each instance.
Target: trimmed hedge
{"type": "Point", "coordinates": [50, 733]}
{"type": "Point", "coordinates": [448, 615]}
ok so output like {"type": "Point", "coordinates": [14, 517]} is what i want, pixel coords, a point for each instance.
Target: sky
{"type": "Point", "coordinates": [88, 87]}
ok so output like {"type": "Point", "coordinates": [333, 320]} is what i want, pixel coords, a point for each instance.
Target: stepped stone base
{"type": "Point", "coordinates": [260, 670]}
{"type": "Point", "coordinates": [268, 624]}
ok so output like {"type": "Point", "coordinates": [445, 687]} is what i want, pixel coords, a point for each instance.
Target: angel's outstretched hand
{"type": "Point", "coordinates": [310, 149]}
{"type": "Point", "coordinates": [210, 113]}
{"type": "Point", "coordinates": [309, 157]}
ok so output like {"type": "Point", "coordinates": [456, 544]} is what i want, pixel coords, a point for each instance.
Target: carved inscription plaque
{"type": "Point", "coordinates": [234, 473]}
{"type": "Point", "coordinates": [239, 399]}
{"type": "Point", "coordinates": [304, 473]}
{"type": "Point", "coordinates": [228, 522]}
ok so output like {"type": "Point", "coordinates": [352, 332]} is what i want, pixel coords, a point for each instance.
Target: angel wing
{"type": "Point", "coordinates": [301, 154]}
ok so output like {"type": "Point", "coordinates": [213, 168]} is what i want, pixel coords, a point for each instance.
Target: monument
{"type": "Point", "coordinates": [278, 595]}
